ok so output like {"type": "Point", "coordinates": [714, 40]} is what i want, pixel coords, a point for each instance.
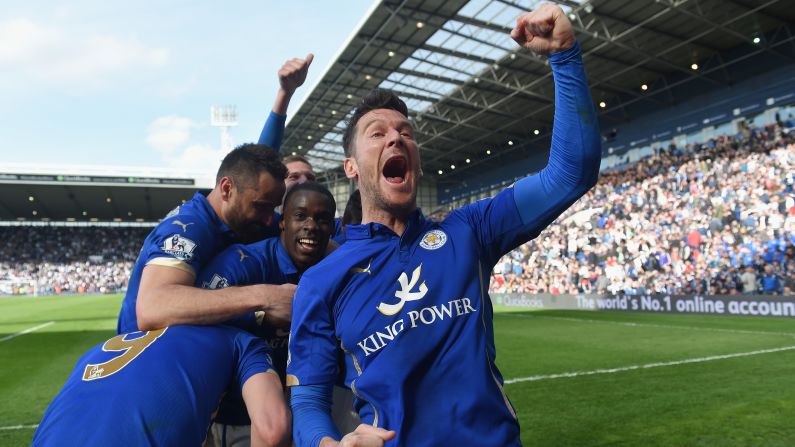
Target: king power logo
{"type": "Point", "coordinates": [426, 316]}
{"type": "Point", "coordinates": [405, 293]}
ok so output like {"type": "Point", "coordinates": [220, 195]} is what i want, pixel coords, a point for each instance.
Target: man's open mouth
{"type": "Point", "coordinates": [308, 244]}
{"type": "Point", "coordinates": [395, 169]}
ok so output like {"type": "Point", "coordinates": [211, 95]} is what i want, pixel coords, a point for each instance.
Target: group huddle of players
{"type": "Point", "coordinates": [231, 299]}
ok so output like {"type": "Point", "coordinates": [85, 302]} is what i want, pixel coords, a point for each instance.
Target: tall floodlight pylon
{"type": "Point", "coordinates": [224, 117]}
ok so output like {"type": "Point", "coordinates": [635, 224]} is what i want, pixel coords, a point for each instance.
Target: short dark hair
{"type": "Point", "coordinates": [353, 209]}
{"type": "Point", "coordinates": [292, 158]}
{"type": "Point", "coordinates": [245, 163]}
{"type": "Point", "coordinates": [309, 186]}
{"type": "Point", "coordinates": [376, 99]}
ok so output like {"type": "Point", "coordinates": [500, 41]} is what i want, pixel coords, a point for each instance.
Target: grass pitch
{"type": "Point", "coordinates": [575, 378]}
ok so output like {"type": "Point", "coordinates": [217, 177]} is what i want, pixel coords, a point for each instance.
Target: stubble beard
{"type": "Point", "coordinates": [378, 202]}
{"type": "Point", "coordinates": [244, 232]}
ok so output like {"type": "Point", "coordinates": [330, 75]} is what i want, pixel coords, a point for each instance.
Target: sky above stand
{"type": "Point", "coordinates": [89, 82]}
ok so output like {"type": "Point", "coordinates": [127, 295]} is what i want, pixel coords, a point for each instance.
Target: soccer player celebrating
{"type": "Point", "coordinates": [161, 388]}
{"type": "Point", "coordinates": [249, 186]}
{"type": "Point", "coordinates": [406, 298]}
{"type": "Point", "coordinates": [306, 227]}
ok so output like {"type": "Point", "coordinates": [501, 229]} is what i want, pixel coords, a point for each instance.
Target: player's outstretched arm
{"type": "Point", "coordinates": [575, 153]}
{"type": "Point", "coordinates": [166, 296]}
{"type": "Point", "coordinates": [270, 419]}
{"type": "Point", "coordinates": [291, 76]}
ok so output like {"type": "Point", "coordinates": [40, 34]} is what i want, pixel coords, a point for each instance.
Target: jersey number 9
{"type": "Point", "coordinates": [130, 349]}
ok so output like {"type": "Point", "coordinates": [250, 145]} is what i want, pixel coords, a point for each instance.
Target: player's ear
{"type": "Point", "coordinates": [351, 168]}
{"type": "Point", "coordinates": [281, 221]}
{"type": "Point", "coordinates": [226, 186]}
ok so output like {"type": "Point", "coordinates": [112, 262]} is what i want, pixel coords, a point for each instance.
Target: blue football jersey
{"type": "Point", "coordinates": [187, 238]}
{"type": "Point", "coordinates": [411, 312]}
{"type": "Point", "coordinates": [339, 234]}
{"type": "Point", "coordinates": [415, 322]}
{"type": "Point", "coordinates": [151, 388]}
{"type": "Point", "coordinates": [263, 262]}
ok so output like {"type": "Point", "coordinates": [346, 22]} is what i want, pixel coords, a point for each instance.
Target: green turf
{"type": "Point", "coordinates": [35, 365]}
{"type": "Point", "coordinates": [745, 401]}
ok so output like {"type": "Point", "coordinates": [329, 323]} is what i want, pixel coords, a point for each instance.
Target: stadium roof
{"type": "Point", "coordinates": [92, 193]}
{"type": "Point", "coordinates": [470, 89]}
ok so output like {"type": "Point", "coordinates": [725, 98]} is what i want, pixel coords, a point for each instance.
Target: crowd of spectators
{"type": "Point", "coordinates": [53, 260]}
{"type": "Point", "coordinates": [715, 218]}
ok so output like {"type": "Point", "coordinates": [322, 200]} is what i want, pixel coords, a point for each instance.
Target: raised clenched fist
{"type": "Point", "coordinates": [545, 31]}
{"type": "Point", "coordinates": [293, 73]}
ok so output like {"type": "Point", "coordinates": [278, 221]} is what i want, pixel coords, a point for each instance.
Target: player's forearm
{"type": "Point", "coordinates": [312, 423]}
{"type": "Point", "coordinates": [282, 101]}
{"type": "Point", "coordinates": [270, 418]}
{"type": "Point", "coordinates": [274, 432]}
{"type": "Point", "coordinates": [576, 148]}
{"type": "Point", "coordinates": [273, 131]}
{"type": "Point", "coordinates": [172, 304]}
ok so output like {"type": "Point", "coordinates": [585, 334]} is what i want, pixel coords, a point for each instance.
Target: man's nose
{"type": "Point", "coordinates": [310, 223]}
{"type": "Point", "coordinates": [394, 138]}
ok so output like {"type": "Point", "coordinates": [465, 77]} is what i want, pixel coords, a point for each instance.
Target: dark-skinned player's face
{"type": "Point", "coordinates": [307, 224]}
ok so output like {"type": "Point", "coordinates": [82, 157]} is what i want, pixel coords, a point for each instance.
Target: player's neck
{"type": "Point", "coordinates": [394, 221]}
{"type": "Point", "coordinates": [215, 200]}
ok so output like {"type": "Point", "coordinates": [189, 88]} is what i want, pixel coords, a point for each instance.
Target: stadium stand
{"type": "Point", "coordinates": [715, 218]}
{"type": "Point", "coordinates": [660, 73]}
{"type": "Point", "coordinates": [50, 260]}
{"type": "Point", "coordinates": [712, 218]}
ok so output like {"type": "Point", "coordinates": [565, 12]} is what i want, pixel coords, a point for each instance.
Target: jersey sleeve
{"type": "Point", "coordinates": [312, 358]}
{"type": "Point", "coordinates": [253, 357]}
{"type": "Point", "coordinates": [519, 213]}
{"type": "Point", "coordinates": [311, 405]}
{"type": "Point", "coordinates": [273, 132]}
{"type": "Point", "coordinates": [181, 242]}
{"type": "Point", "coordinates": [234, 266]}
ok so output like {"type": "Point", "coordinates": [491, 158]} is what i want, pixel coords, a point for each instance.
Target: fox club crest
{"type": "Point", "coordinates": [433, 240]}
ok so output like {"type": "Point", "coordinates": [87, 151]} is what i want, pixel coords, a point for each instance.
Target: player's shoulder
{"type": "Point", "coordinates": [185, 222]}
{"type": "Point", "coordinates": [333, 269]}
{"type": "Point", "coordinates": [198, 206]}
{"type": "Point", "coordinates": [262, 253]}
{"type": "Point", "coordinates": [502, 200]}
{"type": "Point", "coordinates": [240, 252]}
{"type": "Point", "coordinates": [234, 265]}
{"type": "Point", "coordinates": [335, 262]}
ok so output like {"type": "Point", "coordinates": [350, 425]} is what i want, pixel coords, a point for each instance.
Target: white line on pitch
{"type": "Point", "coordinates": [26, 331]}
{"type": "Point", "coordinates": [663, 326]}
{"type": "Point", "coordinates": [646, 366]}
{"type": "Point", "coordinates": [19, 427]}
